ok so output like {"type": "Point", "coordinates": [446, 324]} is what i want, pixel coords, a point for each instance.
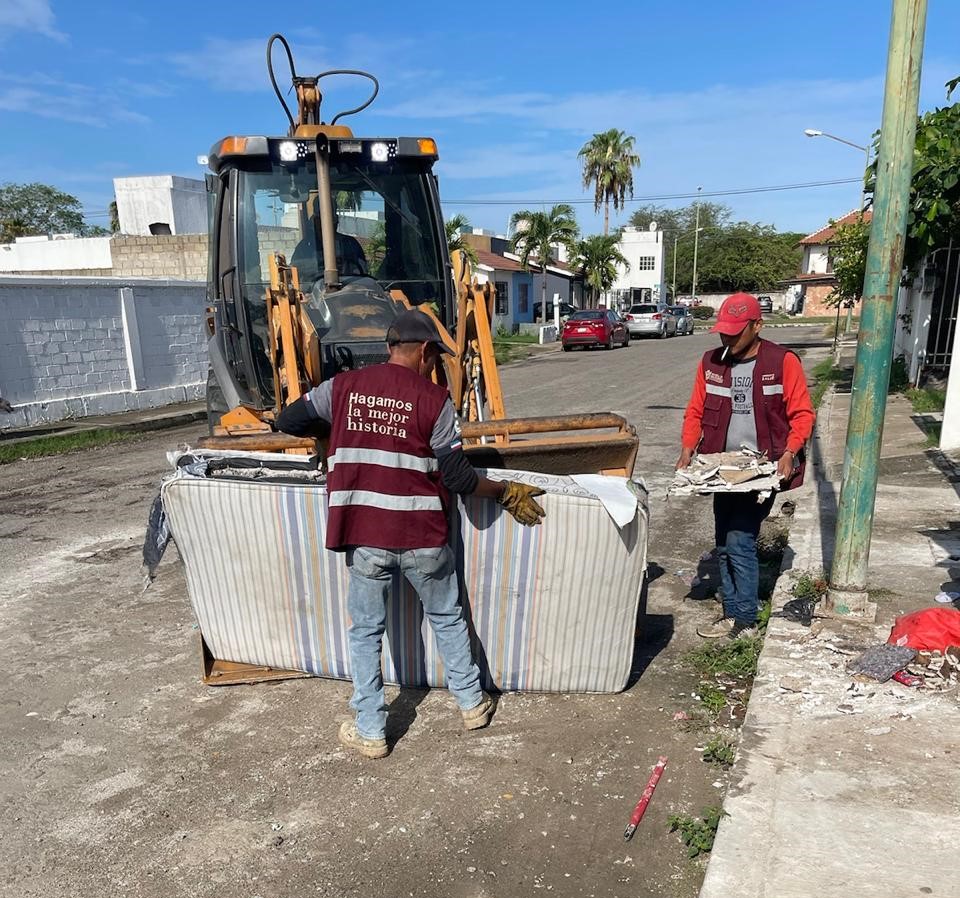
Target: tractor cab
{"type": "Point", "coordinates": [387, 239]}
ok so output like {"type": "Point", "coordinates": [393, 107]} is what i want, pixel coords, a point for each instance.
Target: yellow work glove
{"type": "Point", "coordinates": [518, 499]}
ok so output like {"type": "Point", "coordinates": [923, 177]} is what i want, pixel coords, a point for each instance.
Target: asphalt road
{"type": "Point", "coordinates": [122, 774]}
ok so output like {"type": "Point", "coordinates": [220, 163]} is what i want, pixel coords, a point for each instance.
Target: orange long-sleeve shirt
{"type": "Point", "coordinates": [796, 397]}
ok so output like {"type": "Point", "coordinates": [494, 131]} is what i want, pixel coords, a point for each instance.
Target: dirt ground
{"type": "Point", "coordinates": [123, 774]}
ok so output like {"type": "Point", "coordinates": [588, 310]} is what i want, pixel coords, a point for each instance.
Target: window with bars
{"type": "Point", "coordinates": [524, 298]}
{"type": "Point", "coordinates": [503, 297]}
{"type": "Point", "coordinates": [646, 263]}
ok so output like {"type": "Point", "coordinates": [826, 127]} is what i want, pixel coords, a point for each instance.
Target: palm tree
{"type": "Point", "coordinates": [535, 235]}
{"type": "Point", "coordinates": [608, 164]}
{"type": "Point", "coordinates": [598, 257]}
{"type": "Point", "coordinates": [454, 228]}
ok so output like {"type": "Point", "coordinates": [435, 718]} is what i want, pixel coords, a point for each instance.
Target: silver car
{"type": "Point", "coordinates": [650, 320]}
{"type": "Point", "coordinates": [684, 319]}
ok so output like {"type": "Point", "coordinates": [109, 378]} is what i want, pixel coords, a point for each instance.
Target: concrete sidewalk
{"type": "Point", "coordinates": [844, 789]}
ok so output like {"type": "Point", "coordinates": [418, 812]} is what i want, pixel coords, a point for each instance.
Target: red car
{"type": "Point", "coordinates": [594, 327]}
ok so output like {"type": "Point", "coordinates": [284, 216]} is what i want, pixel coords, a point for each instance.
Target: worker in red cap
{"type": "Point", "coordinates": [748, 392]}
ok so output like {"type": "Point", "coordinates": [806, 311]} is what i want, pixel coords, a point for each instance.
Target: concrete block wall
{"type": "Point", "coordinates": [182, 257]}
{"type": "Point", "coordinates": [73, 347]}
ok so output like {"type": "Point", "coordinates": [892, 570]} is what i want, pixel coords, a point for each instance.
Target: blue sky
{"type": "Point", "coordinates": [716, 94]}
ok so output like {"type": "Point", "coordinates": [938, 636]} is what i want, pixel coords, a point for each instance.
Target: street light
{"type": "Point", "coordinates": [696, 246]}
{"type": "Point", "coordinates": [813, 132]}
{"type": "Point", "coordinates": [676, 238]}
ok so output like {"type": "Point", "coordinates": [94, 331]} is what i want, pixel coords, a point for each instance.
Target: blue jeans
{"type": "Point", "coordinates": [738, 517]}
{"type": "Point", "coordinates": [433, 574]}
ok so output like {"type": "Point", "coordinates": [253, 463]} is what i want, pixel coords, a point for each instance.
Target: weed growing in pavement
{"type": "Point", "coordinates": [697, 834]}
{"type": "Point", "coordinates": [719, 750]}
{"type": "Point", "coordinates": [810, 586]}
{"type": "Point", "coordinates": [734, 657]}
{"type": "Point", "coordinates": [713, 699]}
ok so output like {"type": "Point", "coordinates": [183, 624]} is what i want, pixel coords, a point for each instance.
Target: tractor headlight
{"type": "Point", "coordinates": [379, 152]}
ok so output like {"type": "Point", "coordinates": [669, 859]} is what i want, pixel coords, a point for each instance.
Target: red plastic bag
{"type": "Point", "coordinates": [930, 630]}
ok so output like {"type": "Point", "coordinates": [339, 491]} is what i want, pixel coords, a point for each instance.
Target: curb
{"type": "Point", "coordinates": [144, 425]}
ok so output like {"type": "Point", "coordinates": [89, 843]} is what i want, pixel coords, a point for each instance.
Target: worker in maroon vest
{"type": "Point", "coordinates": [748, 392]}
{"type": "Point", "coordinates": [395, 455]}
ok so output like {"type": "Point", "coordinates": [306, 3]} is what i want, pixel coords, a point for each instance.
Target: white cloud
{"type": "Point", "coordinates": [29, 15]}
{"type": "Point", "coordinates": [48, 96]}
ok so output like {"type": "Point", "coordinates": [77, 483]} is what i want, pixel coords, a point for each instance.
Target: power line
{"type": "Point", "coordinates": [662, 196]}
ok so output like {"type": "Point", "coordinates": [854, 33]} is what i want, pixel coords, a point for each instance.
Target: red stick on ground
{"type": "Point", "coordinates": [641, 807]}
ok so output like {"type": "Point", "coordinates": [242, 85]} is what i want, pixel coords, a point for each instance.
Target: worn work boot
{"type": "Point", "coordinates": [478, 717]}
{"type": "Point", "coordinates": [743, 629]}
{"type": "Point", "coordinates": [718, 629]}
{"type": "Point", "coordinates": [369, 748]}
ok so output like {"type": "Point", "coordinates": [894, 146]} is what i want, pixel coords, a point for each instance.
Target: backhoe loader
{"type": "Point", "coordinates": [318, 239]}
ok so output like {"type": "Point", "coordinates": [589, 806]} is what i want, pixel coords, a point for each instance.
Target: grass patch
{"type": "Point", "coordinates": [697, 834]}
{"type": "Point", "coordinates": [57, 445]}
{"type": "Point", "coordinates": [933, 434]}
{"type": "Point", "coordinates": [926, 399]}
{"type": "Point", "coordinates": [719, 750]}
{"type": "Point", "coordinates": [825, 374]}
{"type": "Point", "coordinates": [735, 657]}
{"type": "Point", "coordinates": [513, 347]}
{"type": "Point", "coordinates": [713, 699]}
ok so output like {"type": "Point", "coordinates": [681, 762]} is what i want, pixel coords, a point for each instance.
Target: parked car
{"type": "Point", "coordinates": [594, 327]}
{"type": "Point", "coordinates": [566, 310]}
{"type": "Point", "coordinates": [766, 304]}
{"type": "Point", "coordinates": [684, 319]}
{"type": "Point", "coordinates": [650, 320]}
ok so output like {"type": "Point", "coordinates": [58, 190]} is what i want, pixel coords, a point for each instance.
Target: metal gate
{"type": "Point", "coordinates": [943, 310]}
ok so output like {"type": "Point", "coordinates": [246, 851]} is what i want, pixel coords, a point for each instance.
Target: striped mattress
{"type": "Point", "coordinates": [551, 608]}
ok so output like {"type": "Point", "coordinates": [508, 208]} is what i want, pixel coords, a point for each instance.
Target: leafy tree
{"type": "Point", "coordinates": [34, 209]}
{"type": "Point", "coordinates": [114, 217]}
{"type": "Point", "coordinates": [848, 256]}
{"type": "Point", "coordinates": [598, 257]}
{"type": "Point", "coordinates": [454, 228]}
{"type": "Point", "coordinates": [934, 216]}
{"type": "Point", "coordinates": [608, 164]}
{"type": "Point", "coordinates": [739, 256]}
{"type": "Point", "coordinates": [674, 221]}
{"type": "Point", "coordinates": [536, 233]}
{"type": "Point", "coordinates": [730, 255]}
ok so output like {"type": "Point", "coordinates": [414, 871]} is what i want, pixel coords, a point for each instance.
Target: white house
{"type": "Point", "coordinates": [643, 280]}
{"type": "Point", "coordinates": [161, 204]}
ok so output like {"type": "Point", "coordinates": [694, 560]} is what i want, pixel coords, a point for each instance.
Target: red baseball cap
{"type": "Point", "coordinates": [736, 313]}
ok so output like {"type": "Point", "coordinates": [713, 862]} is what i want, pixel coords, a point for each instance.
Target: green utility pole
{"type": "Point", "coordinates": [871, 375]}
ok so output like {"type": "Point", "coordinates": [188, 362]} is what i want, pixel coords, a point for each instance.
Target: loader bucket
{"type": "Point", "coordinates": [567, 444]}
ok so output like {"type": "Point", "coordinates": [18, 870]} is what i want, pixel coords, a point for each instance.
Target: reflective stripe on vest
{"type": "Point", "coordinates": [341, 498]}
{"type": "Point", "coordinates": [719, 391]}
{"type": "Point", "coordinates": [402, 460]}
{"type": "Point", "coordinates": [773, 389]}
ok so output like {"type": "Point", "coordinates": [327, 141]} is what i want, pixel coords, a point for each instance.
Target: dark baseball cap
{"type": "Point", "coordinates": [414, 326]}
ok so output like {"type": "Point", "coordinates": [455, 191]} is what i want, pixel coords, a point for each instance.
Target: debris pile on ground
{"type": "Point", "coordinates": [746, 471]}
{"type": "Point", "coordinates": [937, 671]}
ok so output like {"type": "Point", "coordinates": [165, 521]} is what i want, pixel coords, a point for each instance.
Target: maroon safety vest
{"type": "Point", "coordinates": [383, 479]}
{"type": "Point", "coordinates": [769, 408]}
